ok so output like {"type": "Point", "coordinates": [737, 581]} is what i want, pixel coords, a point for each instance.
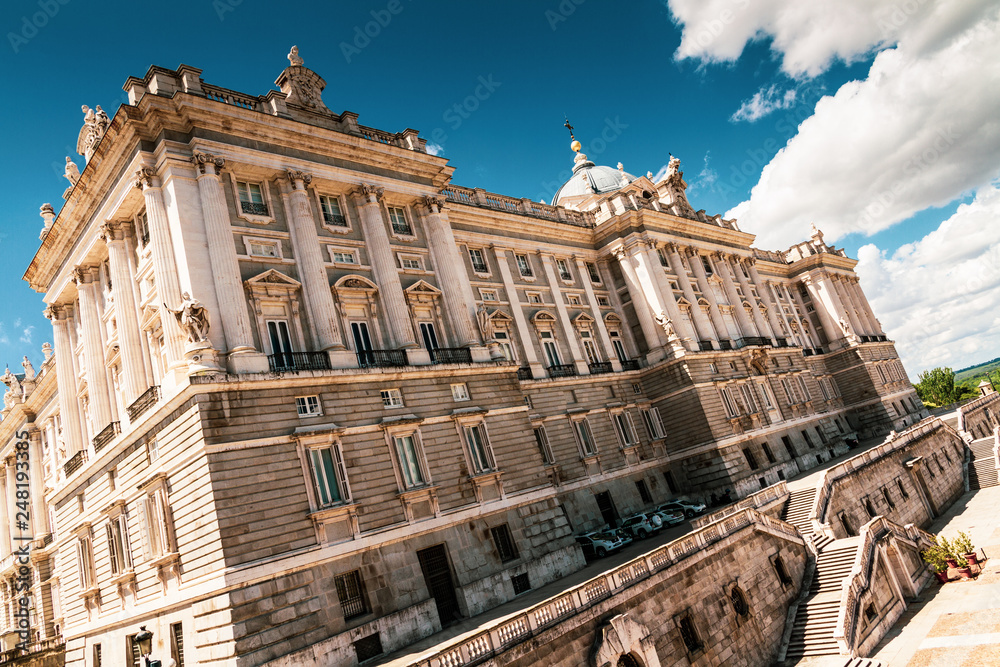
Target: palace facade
{"type": "Point", "coordinates": [306, 389]}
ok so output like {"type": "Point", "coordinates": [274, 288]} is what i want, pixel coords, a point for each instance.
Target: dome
{"type": "Point", "coordinates": [589, 179]}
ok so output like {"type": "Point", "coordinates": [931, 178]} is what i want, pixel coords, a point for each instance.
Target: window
{"type": "Point", "coordinates": [400, 225]}
{"type": "Point", "coordinates": [333, 214]}
{"type": "Point", "coordinates": [133, 656]}
{"type": "Point", "coordinates": [747, 392]}
{"type": "Point", "coordinates": [478, 261]}
{"type": "Point", "coordinates": [595, 277]}
{"type": "Point", "coordinates": [251, 198]}
{"type": "Point", "coordinates": [480, 452]}
{"type": "Point", "coordinates": [902, 489]}
{"type": "Point", "coordinates": [728, 403]}
{"type": "Point", "coordinates": [97, 655]}
{"type": "Point", "coordinates": [616, 343]}
{"type": "Point", "coordinates": [152, 450]}
{"type": "Point", "coordinates": [351, 594]}
{"type": "Point", "coordinates": [368, 647]}
{"type": "Point", "coordinates": [177, 643]}
{"type": "Point", "coordinates": [640, 486]}
{"type": "Point", "coordinates": [534, 297]}
{"type": "Point", "coordinates": [573, 300]}
{"type": "Point", "coordinates": [888, 498]}
{"type": "Point", "coordinates": [409, 463]}
{"type": "Point", "coordinates": [328, 475]}
{"type": "Point", "coordinates": [85, 562]}
{"type": "Point", "coordinates": [281, 342]}
{"type": "Point", "coordinates": [624, 429]}
{"type": "Point", "coordinates": [308, 406]}
{"type": "Point", "coordinates": [779, 569]}
{"type": "Point", "coordinates": [584, 437]}
{"type": "Point", "coordinates": [669, 478]}
{"type": "Point", "coordinates": [603, 301]}
{"type": "Point", "coordinates": [154, 515]}
{"type": "Point", "coordinates": [119, 549]}
{"type": "Point", "coordinates": [392, 398]}
{"type": "Point", "coordinates": [563, 269]}
{"type": "Point", "coordinates": [809, 442]}
{"type": "Point", "coordinates": [804, 388]}
{"type": "Point", "coordinates": [787, 442]}
{"type": "Point", "coordinates": [653, 424]}
{"type": "Point", "coordinates": [488, 295]}
{"type": "Point", "coordinates": [460, 392]}
{"type": "Point", "coordinates": [869, 508]}
{"type": "Point", "coordinates": [706, 265]}
{"type": "Point", "coordinates": [663, 258]}
{"type": "Point", "coordinates": [343, 256]}
{"type": "Point", "coordinates": [636, 388]}
{"type": "Point", "coordinates": [411, 262]}
{"type": "Point", "coordinates": [689, 634]}
{"type": "Point", "coordinates": [504, 543]}
{"type": "Point", "coordinates": [551, 351]}
{"type": "Point", "coordinates": [739, 600]}
{"type": "Point", "coordinates": [503, 338]}
{"type": "Point", "coordinates": [142, 229]}
{"type": "Point", "coordinates": [589, 348]}
{"type": "Point", "coordinates": [713, 369]}
{"type": "Point", "coordinates": [751, 459]}
{"type": "Point", "coordinates": [542, 440]}
{"type": "Point", "coordinates": [262, 248]}
{"type": "Point", "coordinates": [524, 266]}
{"type": "Point", "coordinates": [768, 453]}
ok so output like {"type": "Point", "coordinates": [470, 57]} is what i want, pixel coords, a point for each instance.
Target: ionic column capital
{"type": "Point", "coordinates": [207, 163]}
{"type": "Point", "coordinates": [299, 180]}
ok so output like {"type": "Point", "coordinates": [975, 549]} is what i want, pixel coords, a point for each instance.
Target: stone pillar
{"type": "Point", "coordinates": [39, 517]}
{"type": "Point", "coordinates": [702, 325]}
{"type": "Point", "coordinates": [69, 405]}
{"type": "Point", "coordinates": [694, 259]}
{"type": "Point", "coordinates": [650, 329]}
{"type": "Point", "coordinates": [5, 522]}
{"type": "Point", "coordinates": [126, 314]}
{"type": "Point", "coordinates": [847, 303]}
{"type": "Point", "coordinates": [315, 281]}
{"type": "Point", "coordinates": [168, 287]}
{"type": "Point", "coordinates": [397, 314]}
{"type": "Point", "coordinates": [93, 349]}
{"type": "Point", "coordinates": [867, 307]}
{"type": "Point", "coordinates": [776, 293]}
{"type": "Point", "coordinates": [729, 286]}
{"type": "Point", "coordinates": [10, 468]}
{"type": "Point", "coordinates": [575, 353]}
{"type": "Point", "coordinates": [682, 328]}
{"type": "Point", "coordinates": [764, 289]}
{"type": "Point", "coordinates": [827, 306]}
{"type": "Point", "coordinates": [237, 330]}
{"type": "Point", "coordinates": [763, 328]}
{"type": "Point", "coordinates": [861, 303]}
{"type": "Point", "coordinates": [527, 344]}
{"type": "Point", "coordinates": [602, 329]}
{"type": "Point", "coordinates": [809, 332]}
{"type": "Point", "coordinates": [459, 303]}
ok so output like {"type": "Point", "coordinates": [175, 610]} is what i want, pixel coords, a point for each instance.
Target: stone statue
{"type": "Point", "coordinates": [101, 120]}
{"type": "Point", "coordinates": [13, 388]}
{"type": "Point", "coordinates": [95, 124]}
{"type": "Point", "coordinates": [72, 172]}
{"type": "Point", "coordinates": [29, 370]}
{"type": "Point", "coordinates": [668, 326]}
{"type": "Point", "coordinates": [845, 325]}
{"type": "Point", "coordinates": [485, 323]}
{"type": "Point", "coordinates": [88, 115]}
{"type": "Point", "coordinates": [294, 58]}
{"type": "Point", "coordinates": [192, 318]}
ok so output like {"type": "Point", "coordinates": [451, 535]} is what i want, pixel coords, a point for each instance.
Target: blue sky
{"type": "Point", "coordinates": [490, 84]}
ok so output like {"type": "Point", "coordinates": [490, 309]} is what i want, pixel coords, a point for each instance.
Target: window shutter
{"type": "Point", "coordinates": [113, 550]}
{"type": "Point", "coordinates": [145, 527]}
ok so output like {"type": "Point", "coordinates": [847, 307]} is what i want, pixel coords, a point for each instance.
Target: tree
{"type": "Point", "coordinates": [938, 386]}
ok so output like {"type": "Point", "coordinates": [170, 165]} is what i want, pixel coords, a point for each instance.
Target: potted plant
{"type": "Point", "coordinates": [949, 551]}
{"type": "Point", "coordinates": [936, 558]}
{"type": "Point", "coordinates": [963, 546]}
{"type": "Point", "coordinates": [964, 570]}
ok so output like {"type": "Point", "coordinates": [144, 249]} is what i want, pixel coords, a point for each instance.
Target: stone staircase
{"type": "Point", "coordinates": [816, 618]}
{"type": "Point", "coordinates": [796, 512]}
{"type": "Point", "coordinates": [982, 468]}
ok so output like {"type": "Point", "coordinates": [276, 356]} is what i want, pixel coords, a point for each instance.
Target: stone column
{"type": "Point", "coordinates": [763, 329]}
{"type": "Point", "coordinates": [800, 308]}
{"type": "Point", "coordinates": [397, 314]}
{"type": "Point", "coordinates": [168, 287]}
{"type": "Point", "coordinates": [847, 303]}
{"type": "Point", "coordinates": [312, 268]}
{"type": "Point", "coordinates": [764, 289]}
{"type": "Point", "coordinates": [527, 344]}
{"type": "Point", "coordinates": [10, 466]}
{"type": "Point", "coordinates": [682, 328]}
{"type": "Point", "coordinates": [827, 306]}
{"type": "Point", "coordinates": [457, 291]}
{"type": "Point", "coordinates": [237, 330]}
{"type": "Point", "coordinates": [850, 285]}
{"type": "Point", "coordinates": [93, 349]}
{"type": "Point", "coordinates": [5, 522]}
{"type": "Point", "coordinates": [650, 329]}
{"type": "Point", "coordinates": [602, 329]}
{"type": "Point", "coordinates": [776, 293]}
{"type": "Point", "coordinates": [694, 259]}
{"type": "Point", "coordinates": [575, 353]}
{"type": "Point", "coordinates": [126, 314]}
{"type": "Point", "coordinates": [69, 405]}
{"type": "Point", "coordinates": [702, 325]}
{"type": "Point", "coordinates": [39, 517]}
{"type": "Point", "coordinates": [866, 309]}
{"type": "Point", "coordinates": [729, 286]}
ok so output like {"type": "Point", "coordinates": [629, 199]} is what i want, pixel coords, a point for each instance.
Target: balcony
{"type": "Point", "coordinates": [705, 346]}
{"type": "Point", "coordinates": [782, 342]}
{"type": "Point", "coordinates": [451, 355]}
{"type": "Point", "coordinates": [562, 371]}
{"type": "Point", "coordinates": [630, 365]}
{"type": "Point", "coordinates": [725, 344]}
{"type": "Point", "coordinates": [382, 358]}
{"type": "Point", "coordinates": [402, 229]}
{"type": "Point", "coordinates": [600, 367]}
{"type": "Point", "coordinates": [143, 403]}
{"type": "Point", "coordinates": [524, 373]}
{"type": "Point", "coordinates": [74, 462]}
{"type": "Point", "coordinates": [298, 361]}
{"type": "Point", "coordinates": [334, 219]}
{"type": "Point", "coordinates": [102, 439]}
{"type": "Point", "coordinates": [253, 208]}
{"type": "Point", "coordinates": [752, 340]}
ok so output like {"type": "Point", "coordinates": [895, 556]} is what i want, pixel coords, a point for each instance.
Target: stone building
{"type": "Point", "coordinates": [305, 388]}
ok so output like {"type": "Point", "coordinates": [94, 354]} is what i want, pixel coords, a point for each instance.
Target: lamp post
{"type": "Point", "coordinates": [145, 641]}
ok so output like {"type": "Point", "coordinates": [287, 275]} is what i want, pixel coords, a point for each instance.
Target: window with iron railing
{"type": "Point", "coordinates": [400, 225]}
{"type": "Point", "coordinates": [351, 594]}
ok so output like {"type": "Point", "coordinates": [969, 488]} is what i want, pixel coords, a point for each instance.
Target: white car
{"type": "Point", "coordinates": [642, 525]}
{"type": "Point", "coordinates": [689, 508]}
{"type": "Point", "coordinates": [599, 544]}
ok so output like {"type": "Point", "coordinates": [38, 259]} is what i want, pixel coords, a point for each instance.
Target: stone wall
{"type": "Point", "coordinates": [980, 416]}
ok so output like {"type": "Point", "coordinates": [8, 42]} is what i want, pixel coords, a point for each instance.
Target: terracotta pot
{"type": "Point", "coordinates": [965, 572]}
{"type": "Point", "coordinates": [952, 562]}
{"type": "Point", "coordinates": [942, 576]}
{"type": "Point", "coordinates": [972, 558]}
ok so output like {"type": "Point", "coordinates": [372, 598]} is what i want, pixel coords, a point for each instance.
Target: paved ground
{"type": "Point", "coordinates": [956, 624]}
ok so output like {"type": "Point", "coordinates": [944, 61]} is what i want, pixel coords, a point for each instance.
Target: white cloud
{"type": "Point", "coordinates": [937, 297]}
{"type": "Point", "coordinates": [811, 34]}
{"type": "Point", "coordinates": [434, 149]}
{"type": "Point", "coordinates": [26, 334]}
{"type": "Point", "coordinates": [918, 132]}
{"type": "Point", "coordinates": [4, 338]}
{"type": "Point", "coordinates": [764, 101]}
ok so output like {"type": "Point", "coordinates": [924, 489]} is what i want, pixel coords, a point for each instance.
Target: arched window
{"type": "Point", "coordinates": [739, 598]}
{"type": "Point", "coordinates": [628, 660]}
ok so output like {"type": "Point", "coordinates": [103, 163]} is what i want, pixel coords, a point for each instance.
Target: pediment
{"type": "Point", "coordinates": [271, 278]}
{"type": "Point", "coordinates": [422, 287]}
{"type": "Point", "coordinates": [543, 316]}
{"type": "Point", "coordinates": [583, 319]}
{"type": "Point", "coordinates": [355, 282]}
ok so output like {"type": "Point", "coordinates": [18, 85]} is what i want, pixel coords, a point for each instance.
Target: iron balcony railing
{"type": "Point", "coordinates": [630, 365]}
{"type": "Point", "coordinates": [143, 403]}
{"type": "Point", "coordinates": [402, 228]}
{"type": "Point", "coordinates": [298, 361]}
{"type": "Point", "coordinates": [382, 358]}
{"type": "Point", "coordinates": [253, 208]}
{"type": "Point", "coordinates": [74, 462]}
{"type": "Point", "coordinates": [524, 373]}
{"type": "Point", "coordinates": [562, 371]}
{"type": "Point", "coordinates": [599, 367]}
{"type": "Point", "coordinates": [451, 355]}
{"type": "Point", "coordinates": [102, 439]}
{"type": "Point", "coordinates": [335, 219]}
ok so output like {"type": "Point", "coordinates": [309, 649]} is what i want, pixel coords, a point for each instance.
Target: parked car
{"type": "Point", "coordinates": [671, 517]}
{"type": "Point", "coordinates": [599, 544]}
{"type": "Point", "coordinates": [642, 525]}
{"type": "Point", "coordinates": [689, 508]}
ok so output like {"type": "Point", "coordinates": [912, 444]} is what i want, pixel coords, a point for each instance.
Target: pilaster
{"type": "Point", "coordinates": [702, 325]}
{"type": "Point", "coordinates": [517, 312]}
{"type": "Point", "coordinates": [722, 268]}
{"type": "Point", "coordinates": [576, 355]}
{"type": "Point", "coordinates": [651, 331]}
{"type": "Point", "coordinates": [764, 289]}
{"type": "Point", "coordinates": [683, 327]}
{"type": "Point", "coordinates": [602, 329]}
{"type": "Point", "coordinates": [69, 405]}
{"type": "Point", "coordinates": [93, 349]}
{"type": "Point", "coordinates": [126, 314]}
{"type": "Point", "coordinates": [694, 260]}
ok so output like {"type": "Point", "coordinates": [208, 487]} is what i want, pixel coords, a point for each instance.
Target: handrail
{"type": "Point", "coordinates": [500, 634]}
{"type": "Point", "coordinates": [508, 204]}
{"type": "Point", "coordinates": [755, 500]}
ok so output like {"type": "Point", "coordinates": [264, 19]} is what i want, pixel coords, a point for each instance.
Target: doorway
{"type": "Point", "coordinates": [437, 576]}
{"type": "Point", "coordinates": [607, 507]}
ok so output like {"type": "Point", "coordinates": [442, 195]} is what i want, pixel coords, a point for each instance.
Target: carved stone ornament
{"type": "Point", "coordinates": [201, 159]}
{"type": "Point", "coordinates": [95, 124]}
{"type": "Point", "coordinates": [621, 636]}
{"type": "Point", "coordinates": [72, 172]}
{"type": "Point", "coordinates": [485, 323]}
{"type": "Point", "coordinates": [29, 370]}
{"type": "Point", "coordinates": [110, 231]}
{"type": "Point", "coordinates": [145, 177]}
{"type": "Point", "coordinates": [370, 193]}
{"type": "Point", "coordinates": [667, 324]}
{"type": "Point", "coordinates": [302, 176]}
{"type": "Point", "coordinates": [47, 351]}
{"type": "Point", "coordinates": [294, 58]}
{"type": "Point", "coordinates": [433, 202]}
{"type": "Point", "coordinates": [192, 318]}
{"type": "Point", "coordinates": [302, 86]}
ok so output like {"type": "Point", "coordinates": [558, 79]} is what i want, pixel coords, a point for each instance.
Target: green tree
{"type": "Point", "coordinates": [938, 386]}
